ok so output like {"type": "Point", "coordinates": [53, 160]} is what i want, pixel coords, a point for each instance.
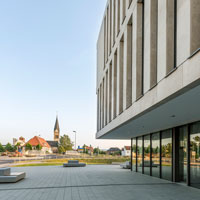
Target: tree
{"type": "Point", "coordinates": [28, 147]}
{"type": "Point", "coordinates": [65, 144]}
{"type": "Point", "coordinates": [38, 147]}
{"type": "Point", "coordinates": [61, 149]}
{"type": "Point", "coordinates": [96, 150]}
{"type": "Point", "coordinates": [2, 149]}
{"type": "Point", "coordinates": [17, 146]}
{"type": "Point", "coordinates": [10, 148]}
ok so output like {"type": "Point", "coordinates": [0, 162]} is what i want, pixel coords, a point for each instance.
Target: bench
{"type": "Point", "coordinates": [7, 177]}
{"type": "Point", "coordinates": [74, 163]}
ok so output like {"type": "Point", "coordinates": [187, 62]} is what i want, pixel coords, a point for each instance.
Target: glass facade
{"type": "Point", "coordinates": [156, 154]}
{"type": "Point", "coordinates": [147, 149]}
{"type": "Point", "coordinates": [166, 154]}
{"type": "Point", "coordinates": [152, 154]}
{"type": "Point", "coordinates": [134, 148]}
{"type": "Point", "coordinates": [140, 154]}
{"type": "Point", "coordinates": [195, 155]}
{"type": "Point", "coordinates": [182, 153]}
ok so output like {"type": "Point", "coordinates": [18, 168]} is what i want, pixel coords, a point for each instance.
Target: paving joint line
{"type": "Point", "coordinates": [83, 186]}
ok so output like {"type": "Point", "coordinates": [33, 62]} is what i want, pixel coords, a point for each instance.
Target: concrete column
{"type": "Point", "coordinates": [150, 44]}
{"type": "Point", "coordinates": [114, 86]}
{"type": "Point", "coordinates": [137, 52]}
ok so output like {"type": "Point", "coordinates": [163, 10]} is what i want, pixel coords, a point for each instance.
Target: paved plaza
{"type": "Point", "coordinates": [93, 182]}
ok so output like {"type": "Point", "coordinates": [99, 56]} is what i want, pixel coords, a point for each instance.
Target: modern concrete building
{"type": "Point", "coordinates": [148, 84]}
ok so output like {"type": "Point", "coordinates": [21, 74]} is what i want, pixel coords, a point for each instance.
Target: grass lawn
{"type": "Point", "coordinates": [89, 161]}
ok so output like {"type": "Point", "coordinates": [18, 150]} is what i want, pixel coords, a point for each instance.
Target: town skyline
{"type": "Point", "coordinates": [50, 136]}
{"type": "Point", "coordinates": [48, 66]}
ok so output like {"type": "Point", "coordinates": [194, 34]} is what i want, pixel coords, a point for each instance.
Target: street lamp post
{"type": "Point", "coordinates": [75, 139]}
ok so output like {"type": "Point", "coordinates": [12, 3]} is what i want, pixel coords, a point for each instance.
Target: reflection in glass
{"type": "Point", "coordinates": [156, 154]}
{"type": "Point", "coordinates": [195, 155]}
{"type": "Point", "coordinates": [139, 154]}
{"type": "Point", "coordinates": [183, 153]}
{"type": "Point", "coordinates": [134, 154]}
{"type": "Point", "coordinates": [167, 154]}
{"type": "Point", "coordinates": [147, 154]}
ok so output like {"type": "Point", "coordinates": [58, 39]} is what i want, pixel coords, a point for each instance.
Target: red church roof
{"type": "Point", "coordinates": [38, 140]}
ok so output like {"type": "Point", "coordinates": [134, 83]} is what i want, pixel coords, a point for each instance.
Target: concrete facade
{"type": "Point", "coordinates": [147, 58]}
{"type": "Point", "coordinates": [155, 89]}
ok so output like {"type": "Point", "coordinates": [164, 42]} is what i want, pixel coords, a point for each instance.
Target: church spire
{"type": "Point", "coordinates": [56, 130]}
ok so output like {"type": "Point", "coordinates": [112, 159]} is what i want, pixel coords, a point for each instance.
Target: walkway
{"type": "Point", "coordinates": [94, 182]}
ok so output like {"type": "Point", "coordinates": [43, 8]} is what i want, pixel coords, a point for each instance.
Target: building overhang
{"type": "Point", "coordinates": [173, 102]}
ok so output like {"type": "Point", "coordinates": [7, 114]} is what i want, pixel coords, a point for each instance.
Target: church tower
{"type": "Point", "coordinates": [56, 130]}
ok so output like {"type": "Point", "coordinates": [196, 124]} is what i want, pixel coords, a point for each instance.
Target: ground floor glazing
{"type": "Point", "coordinates": [172, 154]}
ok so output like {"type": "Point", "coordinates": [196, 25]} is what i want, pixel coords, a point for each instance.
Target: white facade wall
{"type": "Point", "coordinates": [144, 42]}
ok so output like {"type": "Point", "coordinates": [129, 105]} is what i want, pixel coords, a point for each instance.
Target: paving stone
{"type": "Point", "coordinates": [94, 182]}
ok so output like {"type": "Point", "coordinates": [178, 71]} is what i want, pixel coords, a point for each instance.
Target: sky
{"type": "Point", "coordinates": [48, 66]}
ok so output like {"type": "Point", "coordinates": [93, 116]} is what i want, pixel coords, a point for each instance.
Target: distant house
{"type": "Point", "coordinates": [126, 151]}
{"type": "Point", "coordinates": [90, 150]}
{"type": "Point", "coordinates": [114, 151]}
{"type": "Point", "coordinates": [80, 150]}
{"type": "Point", "coordinates": [35, 141]}
{"type": "Point", "coordinates": [53, 145]}
{"type": "Point", "coordinates": [86, 149]}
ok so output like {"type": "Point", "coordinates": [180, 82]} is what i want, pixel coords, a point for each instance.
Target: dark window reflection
{"type": "Point", "coordinates": [134, 154]}
{"type": "Point", "coordinates": [195, 155]}
{"type": "Point", "coordinates": [147, 154]}
{"type": "Point", "coordinates": [139, 154]}
{"type": "Point", "coordinates": [183, 153]}
{"type": "Point", "coordinates": [156, 154]}
{"type": "Point", "coordinates": [167, 154]}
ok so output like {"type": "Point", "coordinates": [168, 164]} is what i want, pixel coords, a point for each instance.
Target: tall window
{"type": "Point", "coordinates": [166, 154]}
{"type": "Point", "coordinates": [114, 21]}
{"type": "Point", "coordinates": [129, 64]}
{"type": "Point", "coordinates": [118, 16]}
{"type": "Point", "coordinates": [134, 148]}
{"type": "Point", "coordinates": [156, 154]}
{"type": "Point", "coordinates": [121, 74]}
{"type": "Point", "coordinates": [115, 85]}
{"type": "Point", "coordinates": [195, 155]}
{"type": "Point", "coordinates": [182, 152]}
{"type": "Point", "coordinates": [147, 152]}
{"type": "Point", "coordinates": [139, 154]}
{"type": "Point", "coordinates": [110, 92]}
